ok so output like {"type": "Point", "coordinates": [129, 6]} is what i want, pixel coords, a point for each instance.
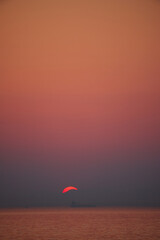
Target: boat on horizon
{"type": "Point", "coordinates": [74, 204]}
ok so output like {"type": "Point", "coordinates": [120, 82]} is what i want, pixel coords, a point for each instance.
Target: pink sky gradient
{"type": "Point", "coordinates": [79, 77]}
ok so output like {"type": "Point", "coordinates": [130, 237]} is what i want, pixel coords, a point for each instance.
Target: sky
{"type": "Point", "coordinates": [79, 97]}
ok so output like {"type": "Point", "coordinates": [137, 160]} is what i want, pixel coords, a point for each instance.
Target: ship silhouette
{"type": "Point", "coordinates": [75, 204]}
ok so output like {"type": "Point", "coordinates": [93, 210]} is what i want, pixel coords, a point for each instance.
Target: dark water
{"type": "Point", "coordinates": [80, 224]}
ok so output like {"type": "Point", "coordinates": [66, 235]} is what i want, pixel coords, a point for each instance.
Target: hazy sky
{"type": "Point", "coordinates": [79, 97]}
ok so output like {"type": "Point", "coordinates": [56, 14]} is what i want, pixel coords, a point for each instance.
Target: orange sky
{"type": "Point", "coordinates": [79, 101]}
{"type": "Point", "coordinates": [80, 74]}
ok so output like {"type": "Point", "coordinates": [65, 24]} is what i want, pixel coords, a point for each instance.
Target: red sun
{"type": "Point", "coordinates": [68, 189]}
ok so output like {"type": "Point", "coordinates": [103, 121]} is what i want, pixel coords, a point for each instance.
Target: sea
{"type": "Point", "coordinates": [80, 224]}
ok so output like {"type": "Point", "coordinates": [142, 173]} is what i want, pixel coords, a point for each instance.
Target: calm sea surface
{"type": "Point", "coordinates": [80, 224]}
